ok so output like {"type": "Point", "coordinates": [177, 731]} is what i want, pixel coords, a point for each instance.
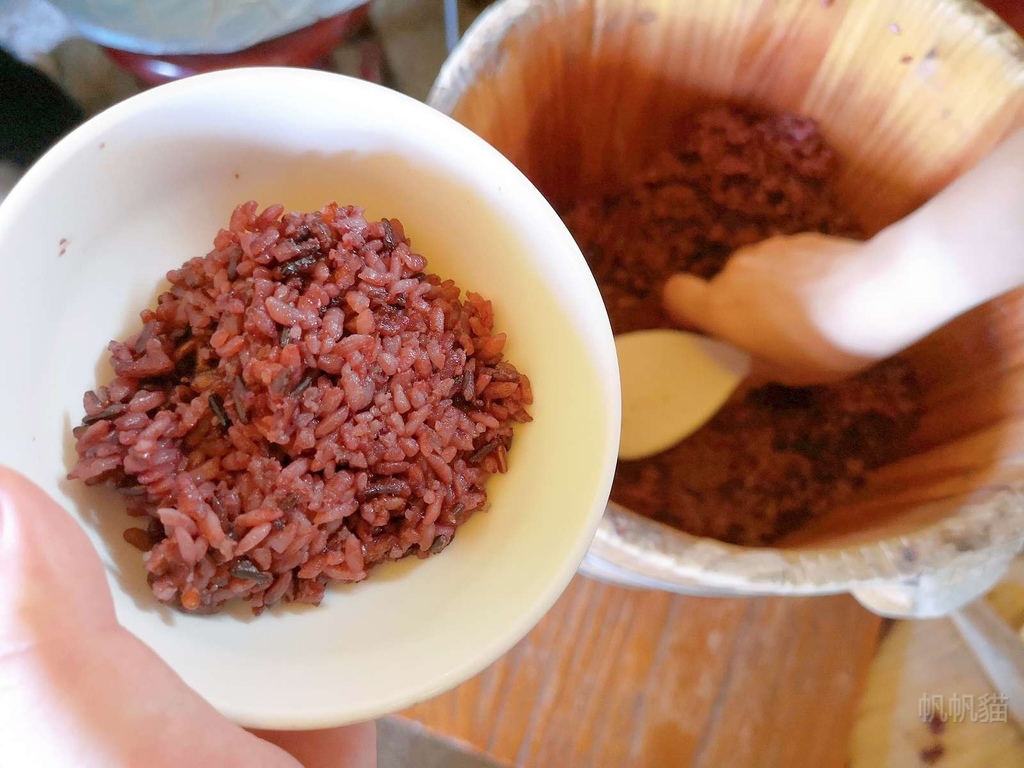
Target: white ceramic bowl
{"type": "Point", "coordinates": [86, 238]}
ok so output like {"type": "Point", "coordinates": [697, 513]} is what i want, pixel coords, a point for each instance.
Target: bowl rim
{"type": "Point", "coordinates": [599, 344]}
{"type": "Point", "coordinates": [634, 550]}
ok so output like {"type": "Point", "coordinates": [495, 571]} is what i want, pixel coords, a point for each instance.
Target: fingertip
{"type": "Point", "coordinates": [10, 487]}
{"type": "Point", "coordinates": [10, 483]}
{"type": "Point", "coordinates": [350, 746]}
{"type": "Point", "coordinates": [51, 578]}
{"type": "Point", "coordinates": [18, 495]}
{"type": "Point", "coordinates": [684, 299]}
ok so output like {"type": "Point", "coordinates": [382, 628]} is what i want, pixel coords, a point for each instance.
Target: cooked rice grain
{"type": "Point", "coordinates": [773, 458]}
{"type": "Point", "coordinates": [304, 403]}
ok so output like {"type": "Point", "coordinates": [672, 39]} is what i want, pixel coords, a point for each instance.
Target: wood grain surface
{"type": "Point", "coordinates": [616, 677]}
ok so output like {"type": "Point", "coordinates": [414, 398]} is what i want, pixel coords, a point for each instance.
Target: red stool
{"type": "Point", "coordinates": [308, 47]}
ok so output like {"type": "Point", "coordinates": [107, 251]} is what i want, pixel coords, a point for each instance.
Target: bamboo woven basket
{"type": "Point", "coordinates": [582, 93]}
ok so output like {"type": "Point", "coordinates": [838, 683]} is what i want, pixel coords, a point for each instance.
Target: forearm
{"type": "Point", "coordinates": [971, 236]}
{"type": "Point", "coordinates": [960, 249]}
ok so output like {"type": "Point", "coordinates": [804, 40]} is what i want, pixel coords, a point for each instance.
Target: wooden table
{"type": "Point", "coordinates": [615, 677]}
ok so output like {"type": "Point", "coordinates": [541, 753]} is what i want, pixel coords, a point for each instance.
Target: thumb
{"type": "Point", "coordinates": [67, 667]}
{"type": "Point", "coordinates": [686, 300]}
{"type": "Point", "coordinates": [51, 581]}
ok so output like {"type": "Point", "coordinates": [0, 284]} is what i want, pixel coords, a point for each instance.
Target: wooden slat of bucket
{"type": "Point", "coordinates": [924, 488]}
{"type": "Point", "coordinates": [995, 454]}
{"type": "Point", "coordinates": [972, 371]}
{"type": "Point", "coordinates": [584, 92]}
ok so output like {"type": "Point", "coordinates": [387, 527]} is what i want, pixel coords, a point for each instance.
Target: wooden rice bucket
{"type": "Point", "coordinates": [581, 94]}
